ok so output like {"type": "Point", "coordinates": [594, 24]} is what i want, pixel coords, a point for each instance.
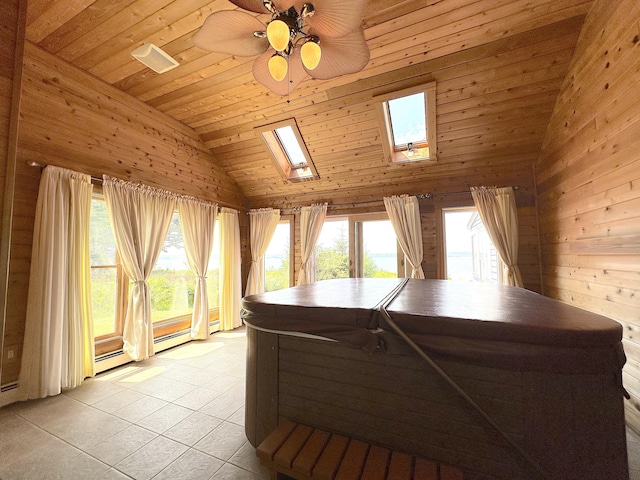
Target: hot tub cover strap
{"type": "Point", "coordinates": [382, 308]}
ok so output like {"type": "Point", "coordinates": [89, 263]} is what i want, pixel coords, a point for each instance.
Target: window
{"type": "Point", "coordinates": [277, 259]}
{"type": "Point", "coordinates": [288, 151]}
{"type": "Point", "coordinates": [377, 249]}
{"type": "Point", "coordinates": [213, 275]}
{"type": "Point", "coordinates": [407, 121]}
{"type": "Point", "coordinates": [486, 263]}
{"type": "Point", "coordinates": [358, 246]}
{"type": "Point", "coordinates": [470, 254]}
{"type": "Point", "coordinates": [171, 283]}
{"type": "Point", "coordinates": [109, 284]}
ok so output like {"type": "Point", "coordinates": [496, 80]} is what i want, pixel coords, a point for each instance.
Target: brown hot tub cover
{"type": "Point", "coordinates": [491, 325]}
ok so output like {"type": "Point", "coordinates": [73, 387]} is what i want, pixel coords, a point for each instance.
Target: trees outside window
{"type": "Point", "coordinates": [277, 259]}
{"type": "Point", "coordinates": [172, 283]}
{"type": "Point", "coordinates": [358, 246]}
{"type": "Point", "coordinates": [332, 250]}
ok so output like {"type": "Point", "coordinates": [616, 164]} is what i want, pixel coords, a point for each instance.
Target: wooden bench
{"type": "Point", "coordinates": [307, 453]}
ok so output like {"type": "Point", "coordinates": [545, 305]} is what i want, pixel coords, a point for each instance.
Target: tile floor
{"type": "Point", "coordinates": [178, 415]}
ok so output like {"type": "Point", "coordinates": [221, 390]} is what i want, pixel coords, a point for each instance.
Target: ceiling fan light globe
{"type": "Point", "coordinates": [311, 54]}
{"type": "Point", "coordinates": [278, 67]}
{"type": "Point", "coordinates": [278, 35]}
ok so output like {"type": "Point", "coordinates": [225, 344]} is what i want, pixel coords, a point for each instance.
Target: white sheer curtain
{"type": "Point", "coordinates": [311, 221]}
{"type": "Point", "coordinates": [262, 224]}
{"type": "Point", "coordinates": [197, 221]}
{"type": "Point", "coordinates": [499, 215]}
{"type": "Point", "coordinates": [58, 349]}
{"type": "Point", "coordinates": [404, 213]}
{"type": "Point", "coordinates": [140, 218]}
{"type": "Point", "coordinates": [230, 274]}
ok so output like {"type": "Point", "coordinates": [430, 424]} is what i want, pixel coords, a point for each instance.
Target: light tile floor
{"type": "Point", "coordinates": [178, 415]}
{"type": "Point", "coordinates": [633, 452]}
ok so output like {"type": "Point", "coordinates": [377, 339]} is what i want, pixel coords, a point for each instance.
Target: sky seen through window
{"type": "Point", "coordinates": [408, 119]}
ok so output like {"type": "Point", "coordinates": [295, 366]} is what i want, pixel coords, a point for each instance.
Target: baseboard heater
{"type": "Point", "coordinates": [8, 387]}
{"type": "Point", "coordinates": [156, 341]}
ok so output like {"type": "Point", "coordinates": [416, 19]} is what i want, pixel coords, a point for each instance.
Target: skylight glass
{"type": "Point", "coordinates": [288, 151]}
{"type": "Point", "coordinates": [291, 146]}
{"type": "Point", "coordinates": [407, 116]}
{"type": "Point", "coordinates": [407, 120]}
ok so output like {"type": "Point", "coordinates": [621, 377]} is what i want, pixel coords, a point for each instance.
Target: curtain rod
{"type": "Point", "coordinates": [32, 163]}
{"type": "Point", "coordinates": [420, 196]}
{"type": "Point", "coordinates": [98, 180]}
{"type": "Point", "coordinates": [353, 204]}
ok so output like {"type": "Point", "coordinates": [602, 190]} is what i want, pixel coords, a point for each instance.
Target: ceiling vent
{"type": "Point", "coordinates": [154, 58]}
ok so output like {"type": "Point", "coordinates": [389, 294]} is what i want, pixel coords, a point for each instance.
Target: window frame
{"type": "Point", "coordinates": [278, 153]}
{"type": "Point", "coordinates": [179, 323]}
{"type": "Point", "coordinates": [356, 242]}
{"type": "Point", "coordinates": [395, 154]}
{"type": "Point", "coordinates": [113, 341]}
{"type": "Point", "coordinates": [443, 267]}
{"type": "Point", "coordinates": [170, 325]}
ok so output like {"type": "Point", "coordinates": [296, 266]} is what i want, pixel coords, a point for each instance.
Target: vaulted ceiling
{"type": "Point", "coordinates": [498, 64]}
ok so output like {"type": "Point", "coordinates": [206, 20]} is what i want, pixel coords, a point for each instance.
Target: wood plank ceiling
{"type": "Point", "coordinates": [498, 64]}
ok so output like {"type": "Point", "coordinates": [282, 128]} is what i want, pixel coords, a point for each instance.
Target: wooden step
{"type": "Point", "coordinates": [307, 453]}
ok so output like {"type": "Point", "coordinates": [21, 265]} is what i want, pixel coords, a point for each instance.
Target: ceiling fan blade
{"type": "Point", "coordinates": [231, 32]}
{"type": "Point", "coordinates": [341, 56]}
{"type": "Point", "coordinates": [295, 73]}
{"type": "Point", "coordinates": [334, 18]}
{"type": "Point", "coordinates": [283, 5]}
{"type": "Point", "coordinates": [258, 5]}
{"type": "Point", "coordinates": [251, 5]}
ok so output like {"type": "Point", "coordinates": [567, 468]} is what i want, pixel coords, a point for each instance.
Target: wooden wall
{"type": "Point", "coordinates": [11, 33]}
{"type": "Point", "coordinates": [588, 181]}
{"type": "Point", "coordinates": [8, 32]}
{"type": "Point", "coordinates": [73, 120]}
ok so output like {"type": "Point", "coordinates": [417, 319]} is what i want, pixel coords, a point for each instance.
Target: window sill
{"type": "Point", "coordinates": [118, 357]}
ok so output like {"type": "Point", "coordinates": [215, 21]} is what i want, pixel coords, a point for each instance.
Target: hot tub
{"type": "Point", "coordinates": [514, 384]}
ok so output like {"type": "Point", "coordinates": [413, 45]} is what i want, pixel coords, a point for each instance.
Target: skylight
{"type": "Point", "coordinates": [407, 122]}
{"type": "Point", "coordinates": [292, 148]}
{"type": "Point", "coordinates": [288, 151]}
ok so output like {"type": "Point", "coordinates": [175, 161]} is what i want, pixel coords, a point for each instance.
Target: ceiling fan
{"type": "Point", "coordinates": [323, 39]}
